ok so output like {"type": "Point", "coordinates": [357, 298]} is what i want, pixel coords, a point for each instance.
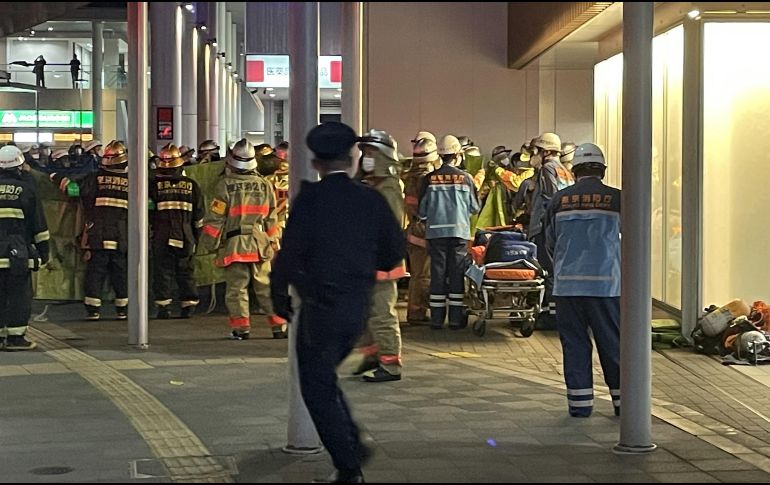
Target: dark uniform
{"type": "Point", "coordinates": [105, 200]}
{"type": "Point", "coordinates": [176, 224]}
{"type": "Point", "coordinates": [339, 234]}
{"type": "Point", "coordinates": [23, 248]}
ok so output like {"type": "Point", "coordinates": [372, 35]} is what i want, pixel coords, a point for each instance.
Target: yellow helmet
{"type": "Point", "coordinates": [263, 149]}
{"type": "Point", "coordinates": [170, 157]}
{"type": "Point", "coordinates": [114, 154]}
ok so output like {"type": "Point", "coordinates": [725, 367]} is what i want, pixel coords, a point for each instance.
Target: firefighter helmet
{"type": "Point", "coordinates": [91, 145]}
{"type": "Point", "coordinates": [75, 150]}
{"type": "Point", "coordinates": [425, 150]}
{"type": "Point", "coordinates": [242, 156]}
{"type": "Point", "coordinates": [751, 344]}
{"type": "Point", "coordinates": [568, 152]}
{"type": "Point", "coordinates": [449, 145]}
{"type": "Point", "coordinates": [423, 134]}
{"type": "Point", "coordinates": [263, 149]}
{"type": "Point", "coordinates": [170, 157]}
{"type": "Point", "coordinates": [114, 154]}
{"type": "Point", "coordinates": [548, 141]}
{"type": "Point", "coordinates": [10, 157]}
{"type": "Point", "coordinates": [382, 141]}
{"type": "Point", "coordinates": [61, 153]}
{"type": "Point", "coordinates": [588, 153]}
{"type": "Point", "coordinates": [208, 146]}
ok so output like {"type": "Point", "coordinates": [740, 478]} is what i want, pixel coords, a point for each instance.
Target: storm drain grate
{"type": "Point", "coordinates": [52, 470]}
{"type": "Point", "coordinates": [185, 467]}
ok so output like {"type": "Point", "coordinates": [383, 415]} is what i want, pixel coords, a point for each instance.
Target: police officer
{"type": "Point", "coordinates": [382, 341]}
{"type": "Point", "coordinates": [583, 235]}
{"type": "Point", "coordinates": [176, 223]}
{"type": "Point", "coordinates": [551, 176]}
{"type": "Point", "coordinates": [208, 151]}
{"type": "Point", "coordinates": [105, 238]}
{"type": "Point", "coordinates": [424, 160]}
{"type": "Point", "coordinates": [328, 218]}
{"type": "Point", "coordinates": [447, 201]}
{"type": "Point", "coordinates": [23, 248]}
{"type": "Point", "coordinates": [241, 224]}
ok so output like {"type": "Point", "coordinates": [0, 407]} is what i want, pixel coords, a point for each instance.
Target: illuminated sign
{"type": "Point", "coordinates": [48, 119]}
{"type": "Point", "coordinates": [165, 123]}
{"type": "Point", "coordinates": [273, 71]}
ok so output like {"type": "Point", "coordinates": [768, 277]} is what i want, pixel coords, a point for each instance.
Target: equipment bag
{"type": "Point", "coordinates": [508, 247]}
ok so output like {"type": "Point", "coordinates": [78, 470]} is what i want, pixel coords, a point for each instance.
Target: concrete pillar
{"type": "Point", "coordinates": [204, 89]}
{"type": "Point", "coordinates": [303, 91]}
{"type": "Point", "coordinates": [352, 62]}
{"type": "Point", "coordinates": [222, 35]}
{"type": "Point", "coordinates": [166, 69]}
{"type": "Point", "coordinates": [269, 122]}
{"type": "Point", "coordinates": [138, 233]}
{"type": "Point", "coordinates": [636, 297]}
{"type": "Point", "coordinates": [189, 81]}
{"type": "Point", "coordinates": [111, 61]}
{"type": "Point", "coordinates": [97, 66]}
{"type": "Point", "coordinates": [213, 28]}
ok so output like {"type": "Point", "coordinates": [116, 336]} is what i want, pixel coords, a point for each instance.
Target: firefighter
{"type": "Point", "coordinates": [382, 340]}
{"type": "Point", "coordinates": [447, 201]}
{"type": "Point", "coordinates": [424, 160]}
{"type": "Point", "coordinates": [23, 248]}
{"type": "Point", "coordinates": [105, 237]}
{"type": "Point", "coordinates": [176, 223]}
{"type": "Point", "coordinates": [275, 171]}
{"type": "Point", "coordinates": [582, 228]}
{"type": "Point", "coordinates": [551, 177]}
{"type": "Point", "coordinates": [241, 225]}
{"type": "Point", "coordinates": [208, 151]}
{"type": "Point", "coordinates": [338, 235]}
{"type": "Point", "coordinates": [188, 155]}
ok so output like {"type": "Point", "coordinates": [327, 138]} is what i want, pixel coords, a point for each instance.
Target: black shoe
{"type": "Point", "coordinates": [280, 331]}
{"type": "Point", "coordinates": [187, 311]}
{"type": "Point", "coordinates": [617, 411]}
{"type": "Point", "coordinates": [2, 343]}
{"type": "Point", "coordinates": [366, 365]}
{"type": "Point", "coordinates": [163, 314]}
{"type": "Point", "coordinates": [122, 312]}
{"type": "Point", "coordinates": [93, 315]}
{"type": "Point", "coordinates": [381, 375]}
{"type": "Point", "coordinates": [418, 321]}
{"type": "Point", "coordinates": [240, 335]}
{"type": "Point", "coordinates": [18, 342]}
{"type": "Point", "coordinates": [338, 477]}
{"type": "Point", "coordinates": [580, 414]}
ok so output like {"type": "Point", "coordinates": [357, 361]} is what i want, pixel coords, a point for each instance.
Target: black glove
{"type": "Point", "coordinates": [491, 165]}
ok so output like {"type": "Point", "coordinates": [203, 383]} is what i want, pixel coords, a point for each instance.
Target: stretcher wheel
{"type": "Point", "coordinates": [480, 327]}
{"type": "Point", "coordinates": [528, 328]}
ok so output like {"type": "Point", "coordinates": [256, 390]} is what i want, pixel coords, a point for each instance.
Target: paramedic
{"type": "Point", "coordinates": [587, 277]}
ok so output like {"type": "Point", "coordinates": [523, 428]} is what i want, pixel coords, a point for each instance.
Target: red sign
{"type": "Point", "coordinates": [165, 116]}
{"type": "Point", "coordinates": [255, 71]}
{"type": "Point", "coordinates": [335, 74]}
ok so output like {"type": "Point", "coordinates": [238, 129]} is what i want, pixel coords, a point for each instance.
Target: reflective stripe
{"type": "Point", "coordinates": [456, 303]}
{"type": "Point", "coordinates": [438, 304]}
{"type": "Point", "coordinates": [189, 303]}
{"type": "Point", "coordinates": [176, 243]}
{"type": "Point", "coordinates": [417, 241]}
{"type": "Point", "coordinates": [211, 231]}
{"type": "Point", "coordinates": [111, 202]}
{"type": "Point", "coordinates": [390, 359]}
{"type": "Point", "coordinates": [11, 213]}
{"type": "Point", "coordinates": [110, 244]}
{"type": "Point", "coordinates": [580, 404]}
{"type": "Point", "coordinates": [369, 350]}
{"type": "Point", "coordinates": [616, 402]}
{"type": "Point", "coordinates": [241, 258]}
{"type": "Point", "coordinates": [456, 295]}
{"type": "Point", "coordinates": [441, 226]}
{"type": "Point", "coordinates": [198, 224]}
{"type": "Point", "coordinates": [5, 263]}
{"type": "Point", "coordinates": [394, 274]}
{"type": "Point", "coordinates": [239, 322]}
{"type": "Point", "coordinates": [92, 301]}
{"type": "Point", "coordinates": [63, 184]}
{"type": "Point", "coordinates": [615, 392]}
{"type": "Point", "coordinates": [438, 297]}
{"type": "Point", "coordinates": [580, 392]}
{"type": "Point", "coordinates": [273, 231]}
{"type": "Point", "coordinates": [121, 302]}
{"type": "Point", "coordinates": [411, 200]}
{"type": "Point", "coordinates": [175, 205]}
{"type": "Point", "coordinates": [241, 210]}
{"type": "Point", "coordinates": [17, 331]}
{"type": "Point", "coordinates": [163, 302]}
{"type": "Point", "coordinates": [42, 236]}
{"type": "Point", "coordinates": [275, 320]}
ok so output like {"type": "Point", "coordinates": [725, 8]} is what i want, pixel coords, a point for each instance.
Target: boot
{"type": "Point", "coordinates": [92, 313]}
{"type": "Point", "coordinates": [187, 311]}
{"type": "Point", "coordinates": [18, 342]}
{"type": "Point", "coordinates": [280, 331]}
{"type": "Point", "coordinates": [240, 334]}
{"type": "Point", "coordinates": [122, 312]}
{"type": "Point", "coordinates": [381, 375]}
{"type": "Point", "coordinates": [163, 313]}
{"type": "Point", "coordinates": [369, 363]}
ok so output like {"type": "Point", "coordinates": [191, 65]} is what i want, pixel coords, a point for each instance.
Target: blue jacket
{"type": "Point", "coordinates": [551, 178]}
{"type": "Point", "coordinates": [582, 227]}
{"type": "Point", "coordinates": [447, 202]}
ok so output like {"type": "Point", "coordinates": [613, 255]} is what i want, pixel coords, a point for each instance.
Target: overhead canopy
{"type": "Point", "coordinates": [18, 16]}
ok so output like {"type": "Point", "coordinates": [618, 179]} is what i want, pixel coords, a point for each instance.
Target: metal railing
{"type": "Point", "coordinates": [59, 76]}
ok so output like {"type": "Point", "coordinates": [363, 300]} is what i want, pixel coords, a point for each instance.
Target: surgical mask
{"type": "Point", "coordinates": [367, 164]}
{"type": "Point", "coordinates": [536, 161]}
{"type": "Point", "coordinates": [505, 162]}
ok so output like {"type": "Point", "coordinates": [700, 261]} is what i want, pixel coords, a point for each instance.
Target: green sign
{"type": "Point", "coordinates": [48, 119]}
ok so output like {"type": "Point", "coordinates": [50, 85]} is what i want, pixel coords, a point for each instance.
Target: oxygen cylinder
{"type": "Point", "coordinates": [716, 322]}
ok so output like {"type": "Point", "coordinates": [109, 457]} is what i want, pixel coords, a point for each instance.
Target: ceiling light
{"type": "Point", "coordinates": [204, 28]}
{"type": "Point", "coordinates": [693, 13]}
{"type": "Point", "coordinates": [189, 7]}
{"type": "Point", "coordinates": [235, 75]}
{"type": "Point", "coordinates": [214, 44]}
{"type": "Point", "coordinates": [269, 89]}
{"type": "Point", "coordinates": [31, 32]}
{"type": "Point", "coordinates": [272, 95]}
{"type": "Point", "coordinates": [50, 29]}
{"type": "Point", "coordinates": [339, 90]}
{"type": "Point", "coordinates": [230, 66]}
{"type": "Point", "coordinates": [89, 44]}
{"type": "Point", "coordinates": [21, 38]}
{"type": "Point", "coordinates": [337, 95]}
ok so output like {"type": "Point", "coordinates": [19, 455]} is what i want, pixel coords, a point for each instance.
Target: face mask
{"type": "Point", "coordinates": [367, 164]}
{"type": "Point", "coordinates": [536, 161]}
{"type": "Point", "coordinates": [505, 162]}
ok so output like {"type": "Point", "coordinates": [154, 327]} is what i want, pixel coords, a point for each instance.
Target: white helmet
{"type": "Point", "coordinates": [549, 141]}
{"type": "Point", "coordinates": [10, 157]}
{"type": "Point", "coordinates": [242, 156]}
{"type": "Point", "coordinates": [449, 145]}
{"type": "Point", "coordinates": [423, 134]}
{"type": "Point", "coordinates": [588, 153]}
{"type": "Point", "coordinates": [57, 154]}
{"type": "Point", "coordinates": [567, 151]}
{"type": "Point", "coordinates": [382, 141]}
{"type": "Point", "coordinates": [750, 344]}
{"type": "Point", "coordinates": [425, 151]}
{"type": "Point", "coordinates": [91, 145]}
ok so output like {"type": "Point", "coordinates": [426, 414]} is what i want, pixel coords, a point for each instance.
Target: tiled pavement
{"type": "Point", "coordinates": [469, 409]}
